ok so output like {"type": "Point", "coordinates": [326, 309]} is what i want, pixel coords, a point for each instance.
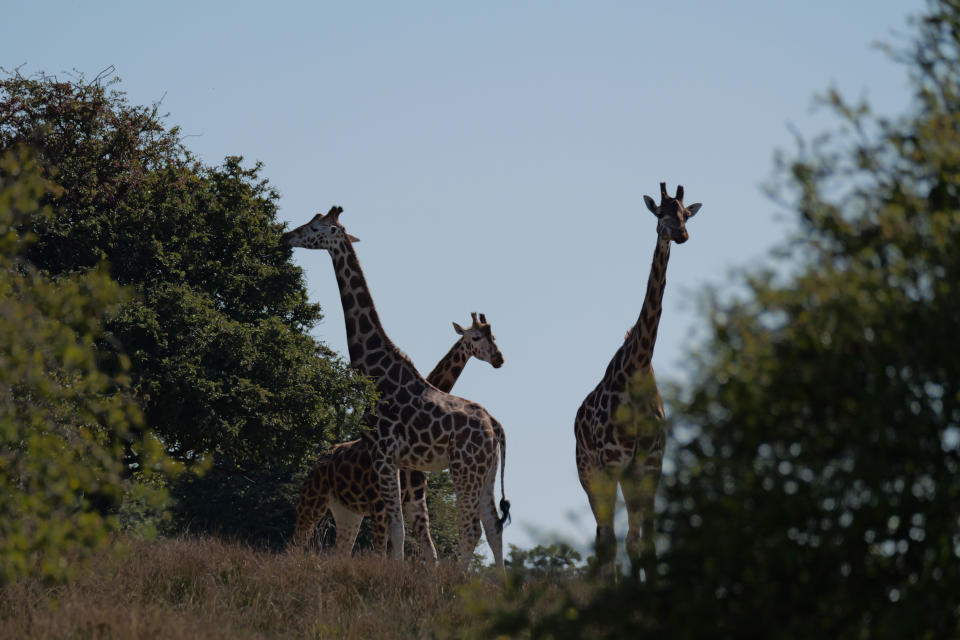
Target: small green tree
{"type": "Point", "coordinates": [64, 421]}
{"type": "Point", "coordinates": [217, 332]}
{"type": "Point", "coordinates": [557, 557]}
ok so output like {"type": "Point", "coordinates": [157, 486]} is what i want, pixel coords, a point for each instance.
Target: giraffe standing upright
{"type": "Point", "coordinates": [610, 453]}
{"type": "Point", "coordinates": [414, 425]}
{"type": "Point", "coordinates": [343, 479]}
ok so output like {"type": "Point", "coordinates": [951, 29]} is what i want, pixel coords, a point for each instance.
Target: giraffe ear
{"type": "Point", "coordinates": [352, 238]}
{"type": "Point", "coordinates": [460, 330]}
{"type": "Point", "coordinates": [692, 209]}
{"type": "Point", "coordinates": [651, 205]}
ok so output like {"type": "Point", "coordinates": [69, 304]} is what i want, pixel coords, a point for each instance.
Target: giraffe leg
{"type": "Point", "coordinates": [601, 491]}
{"type": "Point", "coordinates": [468, 504]}
{"type": "Point", "coordinates": [639, 486]}
{"type": "Point", "coordinates": [379, 529]}
{"type": "Point", "coordinates": [348, 524]}
{"type": "Point", "coordinates": [311, 507]}
{"type": "Point", "coordinates": [492, 527]}
{"type": "Point", "coordinates": [415, 508]}
{"type": "Point", "coordinates": [389, 482]}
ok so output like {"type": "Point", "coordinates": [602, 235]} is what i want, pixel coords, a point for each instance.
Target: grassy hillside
{"type": "Point", "coordinates": [207, 588]}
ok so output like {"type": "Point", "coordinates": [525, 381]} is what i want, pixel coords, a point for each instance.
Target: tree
{"type": "Point", "coordinates": [217, 329]}
{"type": "Point", "coordinates": [554, 558]}
{"type": "Point", "coordinates": [63, 420]}
{"type": "Point", "coordinates": [818, 494]}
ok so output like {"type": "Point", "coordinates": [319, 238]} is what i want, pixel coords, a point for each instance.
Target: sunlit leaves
{"type": "Point", "coordinates": [63, 420]}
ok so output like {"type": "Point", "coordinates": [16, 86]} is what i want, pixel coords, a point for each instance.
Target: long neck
{"type": "Point", "coordinates": [371, 351]}
{"type": "Point", "coordinates": [445, 374]}
{"type": "Point", "coordinates": [636, 353]}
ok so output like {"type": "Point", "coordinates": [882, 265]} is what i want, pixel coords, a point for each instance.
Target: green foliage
{"type": "Point", "coordinates": [63, 420]}
{"type": "Point", "coordinates": [554, 558]}
{"type": "Point", "coordinates": [221, 359]}
{"type": "Point", "coordinates": [444, 516]}
{"type": "Point", "coordinates": [257, 506]}
{"type": "Point", "coordinates": [815, 491]}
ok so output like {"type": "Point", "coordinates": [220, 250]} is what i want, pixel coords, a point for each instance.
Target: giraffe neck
{"type": "Point", "coordinates": [445, 374]}
{"type": "Point", "coordinates": [636, 354]}
{"type": "Point", "coordinates": [371, 350]}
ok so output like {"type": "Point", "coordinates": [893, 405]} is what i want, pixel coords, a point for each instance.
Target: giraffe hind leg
{"type": "Point", "coordinates": [492, 526]}
{"type": "Point", "coordinates": [348, 524]}
{"type": "Point", "coordinates": [468, 504]}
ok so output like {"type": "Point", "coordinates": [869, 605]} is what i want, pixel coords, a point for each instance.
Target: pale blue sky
{"type": "Point", "coordinates": [493, 157]}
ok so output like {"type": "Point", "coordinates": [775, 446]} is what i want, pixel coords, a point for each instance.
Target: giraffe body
{"type": "Point", "coordinates": [414, 425]}
{"type": "Point", "coordinates": [610, 453]}
{"type": "Point", "coordinates": [343, 479]}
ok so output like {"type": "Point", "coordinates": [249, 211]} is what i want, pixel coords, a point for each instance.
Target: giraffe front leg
{"type": "Point", "coordinates": [639, 492]}
{"type": "Point", "coordinates": [388, 480]}
{"type": "Point", "coordinates": [601, 491]}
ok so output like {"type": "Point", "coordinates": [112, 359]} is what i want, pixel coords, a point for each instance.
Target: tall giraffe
{"type": "Point", "coordinates": [343, 478]}
{"type": "Point", "coordinates": [414, 425]}
{"type": "Point", "coordinates": [608, 452]}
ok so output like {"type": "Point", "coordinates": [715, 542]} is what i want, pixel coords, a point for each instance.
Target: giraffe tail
{"type": "Point", "coordinates": [504, 503]}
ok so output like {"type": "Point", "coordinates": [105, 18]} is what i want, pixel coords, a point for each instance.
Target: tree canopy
{"type": "Point", "coordinates": [216, 324]}
{"type": "Point", "coordinates": [218, 331]}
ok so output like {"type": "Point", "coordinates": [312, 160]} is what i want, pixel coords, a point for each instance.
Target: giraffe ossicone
{"type": "Point", "coordinates": [414, 425]}
{"type": "Point", "coordinates": [610, 453]}
{"type": "Point", "coordinates": [342, 480]}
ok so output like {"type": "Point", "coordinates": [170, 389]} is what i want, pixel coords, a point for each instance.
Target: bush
{"type": "Point", "coordinates": [64, 421]}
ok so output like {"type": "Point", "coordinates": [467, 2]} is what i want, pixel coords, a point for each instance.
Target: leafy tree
{"type": "Point", "coordinates": [818, 495]}
{"type": "Point", "coordinates": [63, 420]}
{"type": "Point", "coordinates": [217, 332]}
{"type": "Point", "coordinates": [554, 558]}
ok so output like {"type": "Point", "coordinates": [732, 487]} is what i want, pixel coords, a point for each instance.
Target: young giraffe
{"type": "Point", "coordinates": [343, 479]}
{"type": "Point", "coordinates": [607, 453]}
{"type": "Point", "coordinates": [414, 425]}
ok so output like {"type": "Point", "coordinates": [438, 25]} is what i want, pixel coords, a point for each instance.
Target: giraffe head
{"type": "Point", "coordinates": [324, 231]}
{"type": "Point", "coordinates": [479, 339]}
{"type": "Point", "coordinates": [672, 215]}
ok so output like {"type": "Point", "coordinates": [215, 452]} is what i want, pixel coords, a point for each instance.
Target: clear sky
{"type": "Point", "coordinates": [493, 157]}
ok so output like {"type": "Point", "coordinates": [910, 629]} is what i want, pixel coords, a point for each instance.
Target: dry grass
{"type": "Point", "coordinates": [206, 588]}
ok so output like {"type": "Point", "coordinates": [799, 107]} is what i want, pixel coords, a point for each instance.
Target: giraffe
{"type": "Point", "coordinates": [343, 479]}
{"type": "Point", "coordinates": [414, 425]}
{"type": "Point", "coordinates": [608, 452]}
